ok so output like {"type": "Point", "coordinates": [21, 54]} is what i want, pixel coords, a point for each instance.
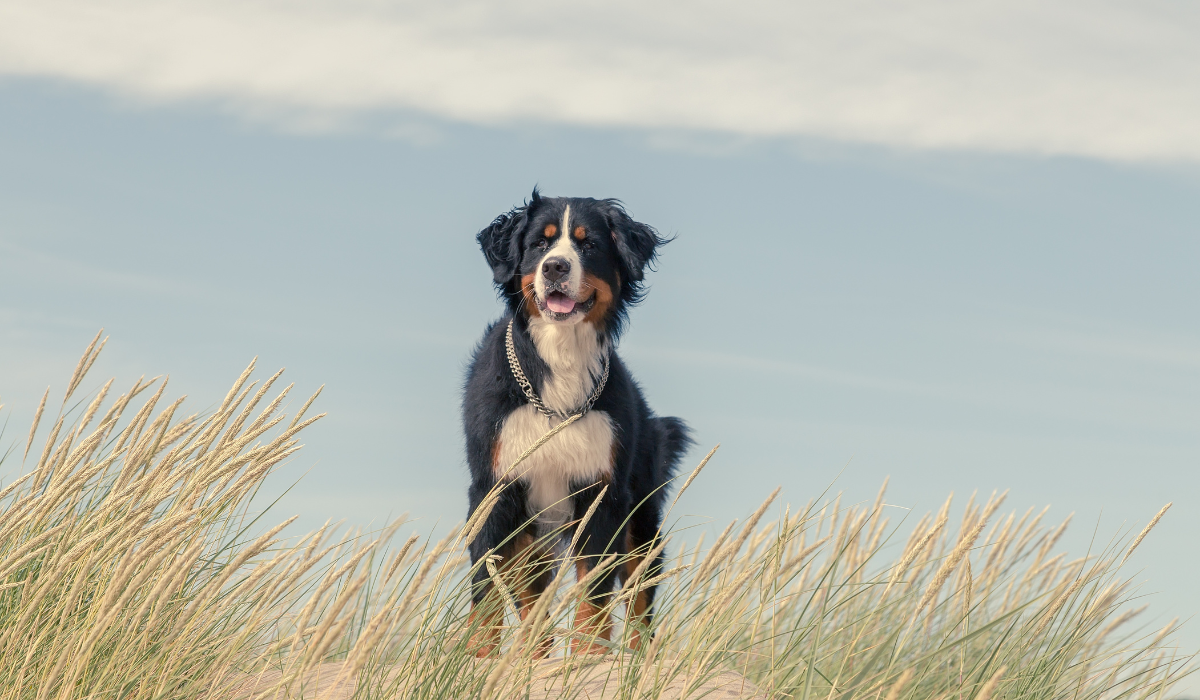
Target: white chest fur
{"type": "Point", "coordinates": [576, 358]}
{"type": "Point", "coordinates": [579, 455]}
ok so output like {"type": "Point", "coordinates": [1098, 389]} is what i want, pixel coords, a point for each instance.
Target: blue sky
{"type": "Point", "coordinates": [958, 252]}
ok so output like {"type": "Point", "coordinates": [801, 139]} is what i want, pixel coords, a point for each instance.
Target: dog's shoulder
{"type": "Point", "coordinates": [488, 386]}
{"type": "Point", "coordinates": [490, 345]}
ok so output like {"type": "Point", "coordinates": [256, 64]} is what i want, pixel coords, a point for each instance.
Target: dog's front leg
{"type": "Point", "coordinates": [501, 533]}
{"type": "Point", "coordinates": [601, 537]}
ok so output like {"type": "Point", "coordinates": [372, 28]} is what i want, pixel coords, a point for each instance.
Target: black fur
{"type": "Point", "coordinates": [622, 257]}
{"type": "Point", "coordinates": [648, 448]}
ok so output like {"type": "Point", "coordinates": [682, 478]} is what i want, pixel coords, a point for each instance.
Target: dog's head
{"type": "Point", "coordinates": [570, 259]}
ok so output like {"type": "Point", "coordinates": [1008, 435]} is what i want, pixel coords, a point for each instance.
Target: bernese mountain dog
{"type": "Point", "coordinates": [568, 269]}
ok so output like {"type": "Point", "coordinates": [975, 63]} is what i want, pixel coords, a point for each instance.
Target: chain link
{"type": "Point", "coordinates": [530, 395]}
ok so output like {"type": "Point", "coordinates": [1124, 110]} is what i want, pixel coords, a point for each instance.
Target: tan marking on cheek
{"type": "Point", "coordinates": [550, 231]}
{"type": "Point", "coordinates": [579, 233]}
{"type": "Point", "coordinates": [604, 298]}
{"type": "Point", "coordinates": [531, 308]}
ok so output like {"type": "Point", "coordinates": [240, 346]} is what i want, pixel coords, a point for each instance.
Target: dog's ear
{"type": "Point", "coordinates": [636, 242]}
{"type": "Point", "coordinates": [501, 240]}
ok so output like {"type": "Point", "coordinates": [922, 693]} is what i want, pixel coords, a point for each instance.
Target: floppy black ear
{"type": "Point", "coordinates": [501, 241]}
{"type": "Point", "coordinates": [636, 242]}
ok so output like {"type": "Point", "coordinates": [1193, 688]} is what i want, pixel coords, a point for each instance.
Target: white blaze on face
{"type": "Point", "coordinates": [563, 248]}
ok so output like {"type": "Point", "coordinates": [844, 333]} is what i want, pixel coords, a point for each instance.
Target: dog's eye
{"type": "Point", "coordinates": [542, 244]}
{"type": "Point", "coordinates": [587, 244]}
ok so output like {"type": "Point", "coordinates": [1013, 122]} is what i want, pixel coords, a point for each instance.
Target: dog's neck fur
{"type": "Point", "coordinates": [575, 356]}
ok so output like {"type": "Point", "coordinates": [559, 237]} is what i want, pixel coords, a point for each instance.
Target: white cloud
{"type": "Point", "coordinates": [1094, 78]}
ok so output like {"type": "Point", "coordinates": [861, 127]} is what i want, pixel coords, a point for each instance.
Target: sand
{"type": "Point", "coordinates": [590, 680]}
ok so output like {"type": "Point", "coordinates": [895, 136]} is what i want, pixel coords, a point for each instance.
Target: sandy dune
{"type": "Point", "coordinates": [551, 679]}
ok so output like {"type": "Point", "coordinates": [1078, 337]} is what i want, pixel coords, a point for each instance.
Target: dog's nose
{"type": "Point", "coordinates": [554, 269]}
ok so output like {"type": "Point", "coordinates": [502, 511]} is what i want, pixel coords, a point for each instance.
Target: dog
{"type": "Point", "coordinates": [569, 270]}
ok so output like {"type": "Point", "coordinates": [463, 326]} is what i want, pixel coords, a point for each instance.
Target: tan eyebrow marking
{"type": "Point", "coordinates": [579, 233]}
{"type": "Point", "coordinates": [551, 229]}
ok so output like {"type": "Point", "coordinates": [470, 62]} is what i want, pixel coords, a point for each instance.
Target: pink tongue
{"type": "Point", "coordinates": [560, 303]}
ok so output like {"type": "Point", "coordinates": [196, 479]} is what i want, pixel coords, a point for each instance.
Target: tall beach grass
{"type": "Point", "coordinates": [135, 564]}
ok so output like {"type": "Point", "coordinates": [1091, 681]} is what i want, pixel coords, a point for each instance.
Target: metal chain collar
{"type": "Point", "coordinates": [531, 395]}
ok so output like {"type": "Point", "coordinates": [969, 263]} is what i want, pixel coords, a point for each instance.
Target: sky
{"type": "Point", "coordinates": [950, 244]}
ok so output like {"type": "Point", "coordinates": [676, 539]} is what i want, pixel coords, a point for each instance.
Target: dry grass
{"type": "Point", "coordinates": [132, 567]}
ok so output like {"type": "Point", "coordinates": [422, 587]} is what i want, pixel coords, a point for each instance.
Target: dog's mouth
{"type": "Point", "coordinates": [560, 306]}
